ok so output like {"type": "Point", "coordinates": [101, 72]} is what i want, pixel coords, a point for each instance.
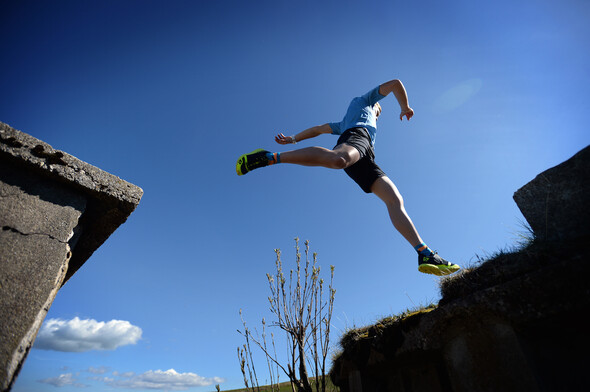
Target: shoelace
{"type": "Point", "coordinates": [444, 262]}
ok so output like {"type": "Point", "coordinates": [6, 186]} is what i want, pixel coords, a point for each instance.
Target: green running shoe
{"type": "Point", "coordinates": [436, 265]}
{"type": "Point", "coordinates": [251, 161]}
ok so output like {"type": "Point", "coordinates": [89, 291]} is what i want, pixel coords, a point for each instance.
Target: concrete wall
{"type": "Point", "coordinates": [55, 211]}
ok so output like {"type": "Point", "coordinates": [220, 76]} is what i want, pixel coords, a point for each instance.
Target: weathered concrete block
{"type": "Point", "coordinates": [557, 202]}
{"type": "Point", "coordinates": [55, 211]}
{"type": "Point", "coordinates": [35, 205]}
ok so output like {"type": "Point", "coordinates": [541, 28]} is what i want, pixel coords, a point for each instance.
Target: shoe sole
{"type": "Point", "coordinates": [438, 270]}
{"type": "Point", "coordinates": [241, 167]}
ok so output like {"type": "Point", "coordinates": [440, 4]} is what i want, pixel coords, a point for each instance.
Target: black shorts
{"type": "Point", "coordinates": [365, 171]}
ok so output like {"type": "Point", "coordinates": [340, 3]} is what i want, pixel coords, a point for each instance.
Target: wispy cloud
{"type": "Point", "coordinates": [457, 96]}
{"type": "Point", "coordinates": [97, 370]}
{"type": "Point", "coordinates": [63, 380]}
{"type": "Point", "coordinates": [84, 335]}
{"type": "Point", "coordinates": [169, 380]}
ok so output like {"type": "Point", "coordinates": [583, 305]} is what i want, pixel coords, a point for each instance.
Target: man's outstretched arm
{"type": "Point", "coordinates": [306, 134]}
{"type": "Point", "coordinates": [397, 88]}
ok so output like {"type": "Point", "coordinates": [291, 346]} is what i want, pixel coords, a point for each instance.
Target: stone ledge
{"type": "Point", "coordinates": [555, 203]}
{"type": "Point", "coordinates": [110, 200]}
{"type": "Point", "coordinates": [55, 211]}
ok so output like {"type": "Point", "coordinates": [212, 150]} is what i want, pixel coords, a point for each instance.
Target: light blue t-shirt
{"type": "Point", "coordinates": [360, 113]}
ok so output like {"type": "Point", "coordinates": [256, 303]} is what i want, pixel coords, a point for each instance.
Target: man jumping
{"type": "Point", "coordinates": [354, 152]}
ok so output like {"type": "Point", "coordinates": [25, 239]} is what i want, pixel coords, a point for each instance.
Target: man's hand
{"type": "Point", "coordinates": [407, 112]}
{"type": "Point", "coordinates": [282, 139]}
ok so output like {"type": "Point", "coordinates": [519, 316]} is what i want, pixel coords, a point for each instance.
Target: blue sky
{"type": "Point", "coordinates": [167, 95]}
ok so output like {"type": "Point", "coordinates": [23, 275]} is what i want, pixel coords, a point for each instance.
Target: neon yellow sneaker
{"type": "Point", "coordinates": [436, 265]}
{"type": "Point", "coordinates": [251, 161]}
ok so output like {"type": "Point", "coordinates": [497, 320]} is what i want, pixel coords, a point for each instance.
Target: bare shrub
{"type": "Point", "coordinates": [303, 311]}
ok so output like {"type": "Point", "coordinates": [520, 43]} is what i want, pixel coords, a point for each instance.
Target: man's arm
{"type": "Point", "coordinates": [307, 134]}
{"type": "Point", "coordinates": [397, 88]}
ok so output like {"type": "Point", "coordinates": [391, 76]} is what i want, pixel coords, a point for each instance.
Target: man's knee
{"type": "Point", "coordinates": [395, 201]}
{"type": "Point", "coordinates": [344, 159]}
{"type": "Point", "coordinates": [385, 189]}
{"type": "Point", "coordinates": [344, 156]}
{"type": "Point", "coordinates": [340, 162]}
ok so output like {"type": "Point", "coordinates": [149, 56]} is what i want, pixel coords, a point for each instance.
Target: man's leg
{"type": "Point", "coordinates": [428, 262]}
{"type": "Point", "coordinates": [386, 190]}
{"type": "Point", "coordinates": [340, 157]}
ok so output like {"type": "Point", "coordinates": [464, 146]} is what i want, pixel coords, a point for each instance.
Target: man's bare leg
{"type": "Point", "coordinates": [430, 263]}
{"type": "Point", "coordinates": [341, 157]}
{"type": "Point", "coordinates": [386, 190]}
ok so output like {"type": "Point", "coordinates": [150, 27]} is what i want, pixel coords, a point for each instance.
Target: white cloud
{"type": "Point", "coordinates": [84, 335]}
{"type": "Point", "coordinates": [169, 380]}
{"type": "Point", "coordinates": [63, 380]}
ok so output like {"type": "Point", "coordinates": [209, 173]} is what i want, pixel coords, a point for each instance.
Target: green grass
{"type": "Point", "coordinates": [404, 318]}
{"type": "Point", "coordinates": [286, 387]}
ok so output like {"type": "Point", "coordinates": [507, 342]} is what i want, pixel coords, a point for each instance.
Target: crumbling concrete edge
{"type": "Point", "coordinates": [65, 167]}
